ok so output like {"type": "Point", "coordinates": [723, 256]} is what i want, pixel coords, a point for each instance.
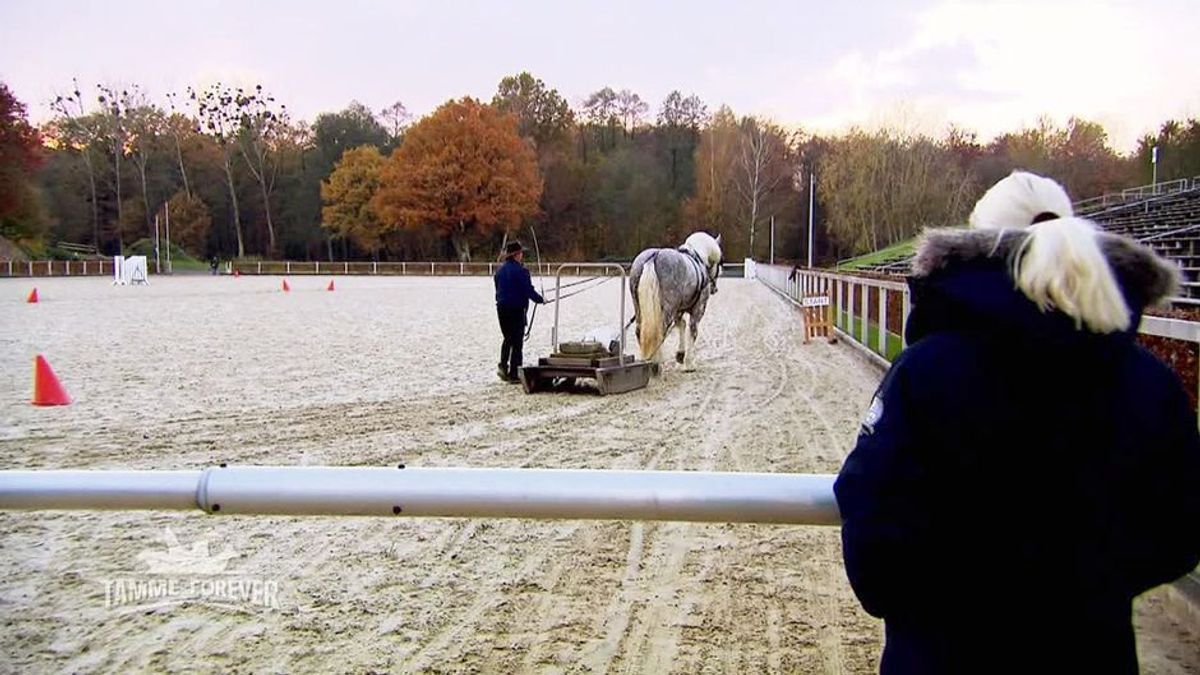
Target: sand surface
{"type": "Point", "coordinates": [190, 372]}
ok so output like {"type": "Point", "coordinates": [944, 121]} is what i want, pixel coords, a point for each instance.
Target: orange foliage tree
{"type": "Point", "coordinates": [463, 171]}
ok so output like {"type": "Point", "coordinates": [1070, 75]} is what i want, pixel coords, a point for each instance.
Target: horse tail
{"type": "Point", "coordinates": [650, 320]}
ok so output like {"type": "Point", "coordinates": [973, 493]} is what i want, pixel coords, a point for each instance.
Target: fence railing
{"type": "Point", "coordinates": [869, 313]}
{"type": "Point", "coordinates": [1086, 206]}
{"type": "Point", "coordinates": [55, 268]}
{"type": "Point", "coordinates": [67, 268]}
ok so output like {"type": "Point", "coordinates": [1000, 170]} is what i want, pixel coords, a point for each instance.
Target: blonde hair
{"type": "Point", "coordinates": [1059, 265]}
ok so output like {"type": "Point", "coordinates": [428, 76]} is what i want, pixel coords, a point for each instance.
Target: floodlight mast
{"type": "Point", "coordinates": [698, 496]}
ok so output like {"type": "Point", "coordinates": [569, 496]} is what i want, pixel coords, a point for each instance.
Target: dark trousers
{"type": "Point", "coordinates": [512, 325]}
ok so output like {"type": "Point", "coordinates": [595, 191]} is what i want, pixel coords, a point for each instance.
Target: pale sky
{"type": "Point", "coordinates": [986, 66]}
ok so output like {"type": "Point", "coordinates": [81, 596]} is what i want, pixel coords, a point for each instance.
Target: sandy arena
{"type": "Point", "coordinates": [194, 371]}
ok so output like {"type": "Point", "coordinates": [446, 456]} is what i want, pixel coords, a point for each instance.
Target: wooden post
{"type": "Point", "coordinates": [864, 297]}
{"type": "Point", "coordinates": [883, 299]}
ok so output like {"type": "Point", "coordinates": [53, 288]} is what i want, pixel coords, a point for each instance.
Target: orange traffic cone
{"type": "Point", "coordinates": [286, 287]}
{"type": "Point", "coordinates": [330, 286]}
{"type": "Point", "coordinates": [47, 390]}
{"type": "Point", "coordinates": [33, 296]}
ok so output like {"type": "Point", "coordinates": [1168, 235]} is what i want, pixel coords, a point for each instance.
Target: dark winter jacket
{"type": "Point", "coordinates": [1018, 481]}
{"type": "Point", "coordinates": [514, 288]}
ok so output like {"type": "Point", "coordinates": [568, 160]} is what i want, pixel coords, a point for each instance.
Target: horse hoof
{"type": "Point", "coordinates": [678, 357]}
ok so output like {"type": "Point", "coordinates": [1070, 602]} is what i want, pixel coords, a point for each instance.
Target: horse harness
{"type": "Point", "coordinates": [702, 276]}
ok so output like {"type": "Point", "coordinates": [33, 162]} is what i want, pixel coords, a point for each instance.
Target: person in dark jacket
{"type": "Point", "coordinates": [1025, 469]}
{"type": "Point", "coordinates": [514, 290]}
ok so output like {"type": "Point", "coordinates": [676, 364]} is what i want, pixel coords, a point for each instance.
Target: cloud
{"type": "Point", "coordinates": [999, 66]}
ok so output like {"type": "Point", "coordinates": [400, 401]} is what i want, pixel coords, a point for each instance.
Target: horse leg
{"type": "Point", "coordinates": [689, 363]}
{"type": "Point", "coordinates": [681, 352]}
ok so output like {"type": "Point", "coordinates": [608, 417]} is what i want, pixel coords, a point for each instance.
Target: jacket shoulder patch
{"type": "Point", "coordinates": [874, 414]}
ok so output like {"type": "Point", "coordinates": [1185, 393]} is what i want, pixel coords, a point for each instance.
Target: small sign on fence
{"type": "Point", "coordinates": [816, 311]}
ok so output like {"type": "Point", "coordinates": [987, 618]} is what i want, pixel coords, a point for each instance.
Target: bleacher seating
{"type": "Point", "coordinates": [1169, 224]}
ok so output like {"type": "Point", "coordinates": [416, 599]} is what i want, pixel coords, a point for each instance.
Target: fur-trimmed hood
{"type": "Point", "coordinates": [968, 272]}
{"type": "Point", "coordinates": [1141, 273]}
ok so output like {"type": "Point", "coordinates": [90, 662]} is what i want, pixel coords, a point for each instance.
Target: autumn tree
{"type": "Point", "coordinates": [464, 171]}
{"type": "Point", "coordinates": [348, 194]}
{"type": "Point", "coordinates": [882, 187]}
{"type": "Point", "coordinates": [20, 156]}
{"type": "Point", "coordinates": [542, 114]}
{"type": "Point", "coordinates": [1178, 143]}
{"type": "Point", "coordinates": [190, 222]}
{"type": "Point", "coordinates": [714, 207]}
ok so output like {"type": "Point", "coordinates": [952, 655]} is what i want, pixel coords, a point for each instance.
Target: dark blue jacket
{"type": "Point", "coordinates": [1017, 482]}
{"type": "Point", "coordinates": [514, 288]}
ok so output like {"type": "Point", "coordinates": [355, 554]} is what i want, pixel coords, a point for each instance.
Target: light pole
{"type": "Point", "coordinates": [772, 240]}
{"type": "Point", "coordinates": [812, 184]}
{"type": "Point", "coordinates": [1154, 170]}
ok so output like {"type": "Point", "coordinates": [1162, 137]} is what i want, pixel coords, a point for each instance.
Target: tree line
{"type": "Point", "coordinates": [600, 180]}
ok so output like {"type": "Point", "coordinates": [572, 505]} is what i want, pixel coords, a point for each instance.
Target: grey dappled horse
{"type": "Point", "coordinates": [666, 284]}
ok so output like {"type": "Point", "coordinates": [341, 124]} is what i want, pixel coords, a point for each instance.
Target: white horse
{"type": "Point", "coordinates": [666, 284]}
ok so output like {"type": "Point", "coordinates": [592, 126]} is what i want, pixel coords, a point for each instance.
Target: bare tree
{"type": "Point", "coordinates": [760, 158]}
{"type": "Point", "coordinates": [144, 127]}
{"type": "Point", "coordinates": [397, 118]}
{"type": "Point", "coordinates": [217, 110]}
{"type": "Point", "coordinates": [632, 109]}
{"type": "Point", "coordinates": [77, 130]}
{"type": "Point", "coordinates": [112, 106]}
{"type": "Point", "coordinates": [176, 126]}
{"type": "Point", "coordinates": [260, 127]}
{"type": "Point", "coordinates": [601, 110]}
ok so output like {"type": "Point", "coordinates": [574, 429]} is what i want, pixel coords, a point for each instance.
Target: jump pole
{"type": "Point", "coordinates": [697, 496]}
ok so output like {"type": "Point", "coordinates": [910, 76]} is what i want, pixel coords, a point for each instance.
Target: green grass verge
{"type": "Point", "coordinates": [903, 249]}
{"type": "Point", "coordinates": [894, 343]}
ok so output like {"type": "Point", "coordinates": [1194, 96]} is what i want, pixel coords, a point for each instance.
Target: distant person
{"type": "Point", "coordinates": [1025, 469]}
{"type": "Point", "coordinates": [213, 264]}
{"type": "Point", "coordinates": [514, 290]}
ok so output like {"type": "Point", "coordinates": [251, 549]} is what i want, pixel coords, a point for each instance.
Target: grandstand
{"type": "Point", "coordinates": [1169, 224]}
